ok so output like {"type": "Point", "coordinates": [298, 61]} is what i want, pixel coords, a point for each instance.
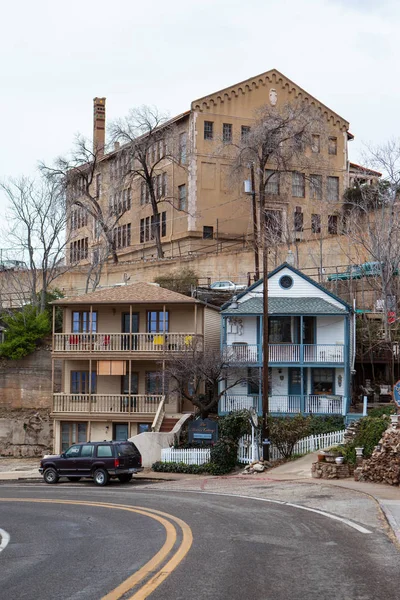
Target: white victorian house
{"type": "Point", "coordinates": [310, 346]}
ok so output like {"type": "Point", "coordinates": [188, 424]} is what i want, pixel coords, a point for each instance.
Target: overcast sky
{"type": "Point", "coordinates": [57, 56]}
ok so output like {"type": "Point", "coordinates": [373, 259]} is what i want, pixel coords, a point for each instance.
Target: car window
{"type": "Point", "coordinates": [126, 450]}
{"type": "Point", "coordinates": [104, 451]}
{"type": "Point", "coordinates": [73, 451]}
{"type": "Point", "coordinates": [87, 450]}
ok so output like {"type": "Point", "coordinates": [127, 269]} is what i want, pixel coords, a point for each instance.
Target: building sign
{"type": "Point", "coordinates": [203, 431]}
{"type": "Point", "coordinates": [396, 393]}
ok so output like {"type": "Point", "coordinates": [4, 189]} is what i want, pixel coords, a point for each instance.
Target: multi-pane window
{"type": "Point", "coordinates": [98, 185]}
{"type": "Point", "coordinates": [79, 250]}
{"type": "Point", "coordinates": [322, 381]}
{"type": "Point", "coordinates": [208, 232]}
{"type": "Point", "coordinates": [157, 321]}
{"type": "Point", "coordinates": [119, 166]}
{"type": "Point", "coordinates": [120, 202]}
{"type": "Point", "coordinates": [298, 220]}
{"type": "Point", "coordinates": [273, 224]}
{"type": "Point", "coordinates": [82, 322]}
{"type": "Point", "coordinates": [245, 132]}
{"type": "Point", "coordinates": [316, 187]}
{"type": "Point", "coordinates": [153, 382]}
{"type": "Point", "coordinates": [182, 197]}
{"type": "Point", "coordinates": [80, 382]}
{"type": "Point", "coordinates": [332, 145]}
{"type": "Point", "coordinates": [159, 185]}
{"type": "Point", "coordinates": [208, 130]}
{"type": "Point", "coordinates": [164, 184]}
{"type": "Point", "coordinates": [332, 224]}
{"type": "Point", "coordinates": [315, 143]}
{"type": "Point", "coordinates": [143, 190]}
{"type": "Point", "coordinates": [333, 188]}
{"type": "Point", "coordinates": [271, 182]}
{"type": "Point", "coordinates": [298, 184]}
{"type": "Point", "coordinates": [227, 133]}
{"type": "Point", "coordinates": [72, 433]}
{"type": "Point", "coordinates": [315, 223]}
{"type": "Point", "coordinates": [182, 148]}
{"type": "Point", "coordinates": [148, 227]}
{"type": "Point", "coordinates": [122, 236]}
{"type": "Point", "coordinates": [79, 218]}
{"type": "Point", "coordinates": [77, 187]}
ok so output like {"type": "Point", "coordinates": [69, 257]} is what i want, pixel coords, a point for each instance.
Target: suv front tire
{"type": "Point", "coordinates": [50, 475]}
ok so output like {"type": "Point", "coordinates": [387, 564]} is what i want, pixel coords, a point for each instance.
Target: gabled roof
{"type": "Point", "coordinates": [255, 81]}
{"type": "Point", "coordinates": [286, 265]}
{"type": "Point", "coordinates": [128, 294]}
{"type": "Point", "coordinates": [286, 306]}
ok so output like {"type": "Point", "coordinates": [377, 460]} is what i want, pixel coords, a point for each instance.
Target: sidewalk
{"type": "Point", "coordinates": [387, 496]}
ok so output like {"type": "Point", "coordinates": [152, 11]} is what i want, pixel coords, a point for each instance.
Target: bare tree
{"type": "Point", "coordinates": [36, 222]}
{"type": "Point", "coordinates": [149, 142]}
{"type": "Point", "coordinates": [80, 176]}
{"type": "Point", "coordinates": [202, 377]}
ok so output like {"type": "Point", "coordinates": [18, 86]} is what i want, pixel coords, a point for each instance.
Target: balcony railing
{"type": "Point", "coordinates": [286, 353]}
{"type": "Point", "coordinates": [106, 403]}
{"type": "Point", "coordinates": [125, 342]}
{"type": "Point", "coordinates": [232, 402]}
{"type": "Point", "coordinates": [286, 404]}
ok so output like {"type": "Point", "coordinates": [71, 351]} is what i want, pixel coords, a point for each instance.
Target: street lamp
{"type": "Point", "coordinates": [250, 189]}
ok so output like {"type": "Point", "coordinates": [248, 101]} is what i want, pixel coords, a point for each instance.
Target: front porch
{"type": "Point", "coordinates": [287, 404]}
{"type": "Point", "coordinates": [285, 354]}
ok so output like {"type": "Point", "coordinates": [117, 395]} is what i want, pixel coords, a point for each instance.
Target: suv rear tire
{"type": "Point", "coordinates": [125, 477]}
{"type": "Point", "coordinates": [101, 477]}
{"type": "Point", "coordinates": [50, 475]}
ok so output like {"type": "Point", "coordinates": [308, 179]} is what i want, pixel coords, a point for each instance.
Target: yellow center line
{"type": "Point", "coordinates": [153, 563]}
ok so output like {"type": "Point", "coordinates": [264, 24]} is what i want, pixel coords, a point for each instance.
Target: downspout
{"type": "Point", "coordinates": [353, 358]}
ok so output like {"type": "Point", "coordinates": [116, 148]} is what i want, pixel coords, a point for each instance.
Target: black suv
{"type": "Point", "coordinates": [99, 461]}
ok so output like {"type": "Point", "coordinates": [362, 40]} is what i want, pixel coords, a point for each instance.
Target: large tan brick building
{"type": "Point", "coordinates": [201, 204]}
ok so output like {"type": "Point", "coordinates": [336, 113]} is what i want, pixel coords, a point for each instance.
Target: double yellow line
{"type": "Point", "coordinates": [155, 571]}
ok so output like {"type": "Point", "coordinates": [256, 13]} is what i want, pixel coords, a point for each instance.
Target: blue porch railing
{"type": "Point", "coordinates": [287, 404]}
{"type": "Point", "coordinates": [242, 353]}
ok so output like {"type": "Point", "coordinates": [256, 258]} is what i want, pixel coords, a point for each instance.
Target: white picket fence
{"type": "Point", "coordinates": [199, 456]}
{"type": "Point", "coordinates": [189, 456]}
{"type": "Point", "coordinates": [308, 444]}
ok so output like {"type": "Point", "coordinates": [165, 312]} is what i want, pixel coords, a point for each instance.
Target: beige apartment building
{"type": "Point", "coordinates": [112, 350]}
{"type": "Point", "coordinates": [200, 202]}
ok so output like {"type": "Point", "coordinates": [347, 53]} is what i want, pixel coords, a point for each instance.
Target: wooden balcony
{"type": "Point", "coordinates": [106, 404]}
{"type": "Point", "coordinates": [292, 354]}
{"type": "Point", "coordinates": [133, 344]}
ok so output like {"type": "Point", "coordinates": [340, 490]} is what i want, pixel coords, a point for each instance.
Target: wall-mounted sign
{"type": "Point", "coordinates": [203, 431]}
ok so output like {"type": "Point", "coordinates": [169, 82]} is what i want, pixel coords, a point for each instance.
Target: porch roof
{"type": "Point", "coordinates": [286, 306]}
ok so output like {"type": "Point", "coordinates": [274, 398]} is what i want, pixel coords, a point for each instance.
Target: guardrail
{"type": "Point", "coordinates": [106, 403]}
{"type": "Point", "coordinates": [124, 342]}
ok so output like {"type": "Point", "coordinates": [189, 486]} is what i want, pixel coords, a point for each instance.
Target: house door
{"type": "Point", "coordinates": [130, 325]}
{"type": "Point", "coordinates": [295, 388]}
{"type": "Point", "coordinates": [120, 432]}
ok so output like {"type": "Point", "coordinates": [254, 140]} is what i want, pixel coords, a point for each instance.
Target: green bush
{"type": "Point", "coordinates": [318, 425]}
{"type": "Point", "coordinates": [24, 331]}
{"type": "Point", "coordinates": [382, 410]}
{"type": "Point", "coordinates": [234, 425]}
{"type": "Point", "coordinates": [370, 431]}
{"type": "Point", "coordinates": [173, 467]}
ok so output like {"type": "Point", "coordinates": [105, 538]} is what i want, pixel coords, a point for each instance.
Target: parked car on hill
{"type": "Point", "coordinates": [100, 461]}
{"type": "Point", "coordinates": [227, 286]}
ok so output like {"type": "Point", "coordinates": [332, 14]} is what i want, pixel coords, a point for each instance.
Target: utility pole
{"type": "Point", "coordinates": [255, 227]}
{"type": "Point", "coordinates": [265, 340]}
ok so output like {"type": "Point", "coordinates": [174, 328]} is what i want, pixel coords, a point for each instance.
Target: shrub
{"type": "Point", "coordinates": [173, 467]}
{"type": "Point", "coordinates": [382, 410]}
{"type": "Point", "coordinates": [180, 281]}
{"type": "Point", "coordinates": [369, 433]}
{"type": "Point", "coordinates": [285, 432]}
{"type": "Point", "coordinates": [318, 425]}
{"type": "Point", "coordinates": [24, 331]}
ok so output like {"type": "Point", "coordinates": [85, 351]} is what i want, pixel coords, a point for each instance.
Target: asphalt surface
{"type": "Point", "coordinates": [242, 547]}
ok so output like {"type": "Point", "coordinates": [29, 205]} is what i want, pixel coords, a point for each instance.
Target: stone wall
{"type": "Point", "coordinates": [323, 470]}
{"type": "Point", "coordinates": [26, 433]}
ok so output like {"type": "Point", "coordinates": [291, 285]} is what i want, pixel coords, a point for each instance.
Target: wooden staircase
{"type": "Point", "coordinates": [168, 424]}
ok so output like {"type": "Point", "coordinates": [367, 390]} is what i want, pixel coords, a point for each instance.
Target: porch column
{"type": "Point", "coordinates": [130, 329]}
{"type": "Point", "coordinates": [90, 328]}
{"type": "Point", "coordinates": [302, 399]}
{"type": "Point", "coordinates": [163, 378]}
{"type": "Point", "coordinates": [54, 327]}
{"type": "Point", "coordinates": [129, 384]}
{"type": "Point", "coordinates": [164, 332]}
{"type": "Point", "coordinates": [52, 383]}
{"type": "Point", "coordinates": [90, 385]}
{"type": "Point", "coordinates": [346, 378]}
{"type": "Point", "coordinates": [301, 340]}
{"type": "Point", "coordinates": [195, 318]}
{"type": "Point", "coordinates": [259, 391]}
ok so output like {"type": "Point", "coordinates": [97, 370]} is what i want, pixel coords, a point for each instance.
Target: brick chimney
{"type": "Point", "coordinates": [99, 125]}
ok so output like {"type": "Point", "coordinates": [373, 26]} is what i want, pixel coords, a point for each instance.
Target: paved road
{"type": "Point", "coordinates": [242, 548]}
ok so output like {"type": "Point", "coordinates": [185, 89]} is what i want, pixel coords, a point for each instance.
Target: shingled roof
{"type": "Point", "coordinates": [286, 306]}
{"type": "Point", "coordinates": [129, 294]}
